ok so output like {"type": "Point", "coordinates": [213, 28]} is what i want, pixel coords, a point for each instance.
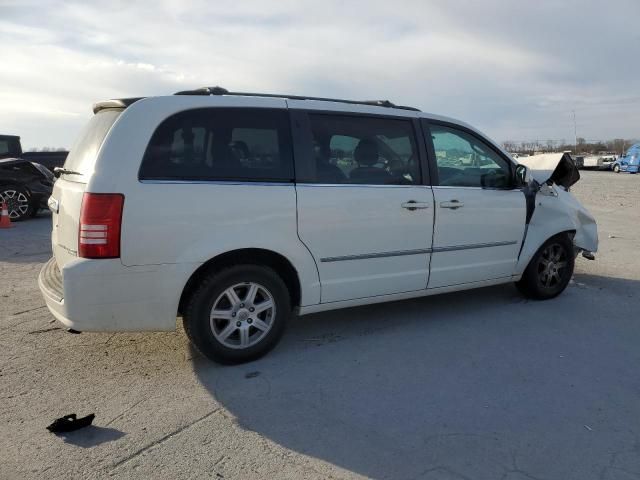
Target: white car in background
{"type": "Point", "coordinates": [607, 162]}
{"type": "Point", "coordinates": [600, 162]}
{"type": "Point", "coordinates": [235, 210]}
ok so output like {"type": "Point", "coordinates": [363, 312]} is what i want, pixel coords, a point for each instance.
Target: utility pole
{"type": "Point", "coordinates": [575, 131]}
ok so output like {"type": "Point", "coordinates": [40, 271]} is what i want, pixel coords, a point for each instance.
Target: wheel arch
{"type": "Point", "coordinates": [244, 256]}
{"type": "Point", "coordinates": [15, 184]}
{"type": "Point", "coordinates": [557, 211]}
{"type": "Point", "coordinates": [531, 247]}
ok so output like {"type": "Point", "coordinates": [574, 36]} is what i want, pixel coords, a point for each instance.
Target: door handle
{"type": "Point", "coordinates": [413, 205]}
{"type": "Point", "coordinates": [453, 204]}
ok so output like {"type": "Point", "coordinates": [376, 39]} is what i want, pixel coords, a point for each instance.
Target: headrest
{"type": "Point", "coordinates": [366, 153]}
{"type": "Point", "coordinates": [242, 147]}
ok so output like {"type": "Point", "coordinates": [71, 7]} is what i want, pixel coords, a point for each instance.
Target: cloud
{"type": "Point", "coordinates": [516, 70]}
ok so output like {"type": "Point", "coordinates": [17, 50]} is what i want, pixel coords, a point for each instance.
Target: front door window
{"type": "Point", "coordinates": [465, 161]}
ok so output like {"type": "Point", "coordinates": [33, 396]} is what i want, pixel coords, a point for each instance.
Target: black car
{"type": "Point", "coordinates": [25, 187]}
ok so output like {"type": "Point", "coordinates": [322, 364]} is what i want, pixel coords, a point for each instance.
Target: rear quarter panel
{"type": "Point", "coordinates": [192, 223]}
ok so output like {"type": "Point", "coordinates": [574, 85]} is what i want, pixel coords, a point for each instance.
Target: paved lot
{"type": "Point", "coordinates": [473, 385]}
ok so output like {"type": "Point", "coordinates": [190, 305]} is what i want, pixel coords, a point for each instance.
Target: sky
{"type": "Point", "coordinates": [515, 69]}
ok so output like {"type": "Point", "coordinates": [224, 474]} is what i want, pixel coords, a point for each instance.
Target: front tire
{"type": "Point", "coordinates": [550, 269]}
{"type": "Point", "coordinates": [616, 169]}
{"type": "Point", "coordinates": [237, 314]}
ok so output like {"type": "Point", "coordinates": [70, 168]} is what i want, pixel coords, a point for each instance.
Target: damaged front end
{"type": "Point", "coordinates": [552, 208]}
{"type": "Point", "coordinates": [550, 168]}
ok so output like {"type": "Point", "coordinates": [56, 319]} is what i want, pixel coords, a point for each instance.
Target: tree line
{"type": "Point", "coordinates": [617, 146]}
{"type": "Point", "coordinates": [47, 149]}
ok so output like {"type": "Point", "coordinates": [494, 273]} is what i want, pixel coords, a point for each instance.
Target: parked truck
{"type": "Point", "coordinates": [629, 162]}
{"type": "Point", "coordinates": [10, 147]}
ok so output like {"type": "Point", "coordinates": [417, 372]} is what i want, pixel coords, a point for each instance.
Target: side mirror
{"type": "Point", "coordinates": [523, 175]}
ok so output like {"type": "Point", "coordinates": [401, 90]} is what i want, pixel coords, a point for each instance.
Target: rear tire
{"type": "Point", "coordinates": [550, 269]}
{"type": "Point", "coordinates": [18, 202]}
{"type": "Point", "coordinates": [237, 314]}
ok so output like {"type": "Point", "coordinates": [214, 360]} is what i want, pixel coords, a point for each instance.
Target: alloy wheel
{"type": "Point", "coordinates": [552, 266]}
{"type": "Point", "coordinates": [17, 203]}
{"type": "Point", "coordinates": [242, 315]}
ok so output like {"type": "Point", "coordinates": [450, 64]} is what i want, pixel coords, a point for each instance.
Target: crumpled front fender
{"type": "Point", "coordinates": [550, 168]}
{"type": "Point", "coordinates": [557, 211]}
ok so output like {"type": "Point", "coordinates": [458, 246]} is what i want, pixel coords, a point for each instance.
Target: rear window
{"type": "Point", "coordinates": [82, 157]}
{"type": "Point", "coordinates": [10, 147]}
{"type": "Point", "coordinates": [221, 144]}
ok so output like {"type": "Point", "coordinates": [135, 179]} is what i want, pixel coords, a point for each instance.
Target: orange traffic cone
{"type": "Point", "coordinates": [5, 220]}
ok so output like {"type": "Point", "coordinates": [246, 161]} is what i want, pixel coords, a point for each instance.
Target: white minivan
{"type": "Point", "coordinates": [236, 210]}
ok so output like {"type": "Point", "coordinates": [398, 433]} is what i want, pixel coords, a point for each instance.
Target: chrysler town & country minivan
{"type": "Point", "coordinates": [236, 210]}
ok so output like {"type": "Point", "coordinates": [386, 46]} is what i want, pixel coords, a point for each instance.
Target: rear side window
{"type": "Point", "coordinates": [10, 147]}
{"type": "Point", "coordinates": [221, 144]}
{"type": "Point", "coordinates": [82, 156]}
{"type": "Point", "coordinates": [363, 150]}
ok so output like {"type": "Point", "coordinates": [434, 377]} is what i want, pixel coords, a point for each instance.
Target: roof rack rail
{"type": "Point", "coordinates": [223, 91]}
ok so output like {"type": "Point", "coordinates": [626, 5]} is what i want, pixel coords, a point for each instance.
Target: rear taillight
{"type": "Point", "coordinates": [100, 220]}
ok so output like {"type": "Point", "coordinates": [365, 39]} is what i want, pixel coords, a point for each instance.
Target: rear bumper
{"type": "Point", "coordinates": [105, 296]}
{"type": "Point", "coordinates": [50, 283]}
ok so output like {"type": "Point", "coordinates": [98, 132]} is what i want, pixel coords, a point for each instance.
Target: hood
{"type": "Point", "coordinates": [558, 168]}
{"type": "Point", "coordinates": [44, 170]}
{"type": "Point", "coordinates": [21, 164]}
{"type": "Point", "coordinates": [11, 161]}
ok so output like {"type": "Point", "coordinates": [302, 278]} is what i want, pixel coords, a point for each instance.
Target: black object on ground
{"type": "Point", "coordinates": [69, 423]}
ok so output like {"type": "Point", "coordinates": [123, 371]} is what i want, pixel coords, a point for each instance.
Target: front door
{"type": "Point", "coordinates": [362, 211]}
{"type": "Point", "coordinates": [480, 216]}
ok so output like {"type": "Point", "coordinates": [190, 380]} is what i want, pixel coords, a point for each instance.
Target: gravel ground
{"type": "Point", "coordinates": [472, 385]}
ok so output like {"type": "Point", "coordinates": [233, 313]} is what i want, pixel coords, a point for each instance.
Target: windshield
{"type": "Point", "coordinates": [82, 156]}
